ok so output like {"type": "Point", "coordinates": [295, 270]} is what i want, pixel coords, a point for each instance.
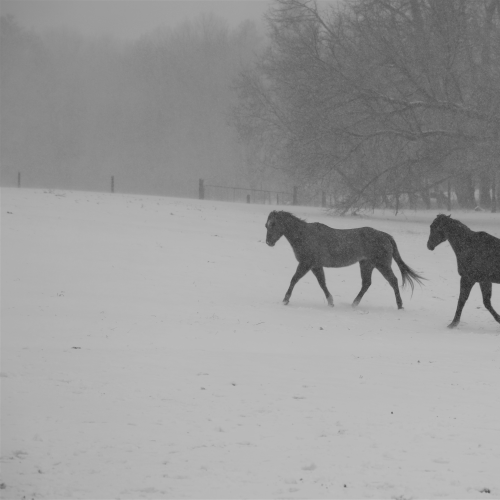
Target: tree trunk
{"type": "Point", "coordinates": [426, 196]}
{"type": "Point", "coordinates": [449, 196]}
{"type": "Point", "coordinates": [494, 197]}
{"type": "Point", "coordinates": [484, 190]}
{"type": "Point", "coordinates": [464, 189]}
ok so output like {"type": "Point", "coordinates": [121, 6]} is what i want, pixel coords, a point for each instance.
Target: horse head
{"type": "Point", "coordinates": [438, 232]}
{"type": "Point", "coordinates": [275, 228]}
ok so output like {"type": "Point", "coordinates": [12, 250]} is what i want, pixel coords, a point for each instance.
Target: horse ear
{"type": "Point", "coordinates": [449, 216]}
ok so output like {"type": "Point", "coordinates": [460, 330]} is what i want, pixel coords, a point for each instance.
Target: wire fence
{"type": "Point", "coordinates": [236, 194]}
{"type": "Point", "coordinates": [262, 196]}
{"type": "Point", "coordinates": [249, 195]}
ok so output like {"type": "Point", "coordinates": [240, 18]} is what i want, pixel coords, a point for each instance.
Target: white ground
{"type": "Point", "coordinates": [146, 354]}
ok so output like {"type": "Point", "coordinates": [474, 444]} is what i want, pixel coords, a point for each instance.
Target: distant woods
{"type": "Point", "coordinates": [155, 113]}
{"type": "Point", "coordinates": [377, 103]}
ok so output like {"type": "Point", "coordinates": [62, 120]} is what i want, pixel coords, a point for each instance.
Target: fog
{"type": "Point", "coordinates": [126, 19]}
{"type": "Point", "coordinates": [141, 91]}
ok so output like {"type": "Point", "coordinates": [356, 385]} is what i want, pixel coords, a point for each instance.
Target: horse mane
{"type": "Point", "coordinates": [282, 214]}
{"type": "Point", "coordinates": [455, 222]}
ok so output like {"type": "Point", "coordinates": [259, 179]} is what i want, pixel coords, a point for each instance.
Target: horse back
{"type": "Point", "coordinates": [344, 247]}
{"type": "Point", "coordinates": [488, 240]}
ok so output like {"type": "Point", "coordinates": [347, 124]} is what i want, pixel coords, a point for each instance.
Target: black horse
{"type": "Point", "coordinates": [316, 246]}
{"type": "Point", "coordinates": [478, 259]}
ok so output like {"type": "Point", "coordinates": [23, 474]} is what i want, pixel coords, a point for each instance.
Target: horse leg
{"type": "Point", "coordinates": [465, 288]}
{"type": "Point", "coordinates": [366, 279]}
{"type": "Point", "coordinates": [320, 276]}
{"type": "Point", "coordinates": [388, 274]}
{"type": "Point", "coordinates": [302, 269]}
{"type": "Point", "coordinates": [486, 290]}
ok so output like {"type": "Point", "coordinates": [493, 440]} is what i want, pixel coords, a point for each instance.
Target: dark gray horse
{"type": "Point", "coordinates": [478, 259]}
{"type": "Point", "coordinates": [316, 246]}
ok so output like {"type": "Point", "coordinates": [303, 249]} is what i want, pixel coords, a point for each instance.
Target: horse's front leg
{"type": "Point", "coordinates": [320, 276]}
{"type": "Point", "coordinates": [465, 288]}
{"type": "Point", "coordinates": [302, 269]}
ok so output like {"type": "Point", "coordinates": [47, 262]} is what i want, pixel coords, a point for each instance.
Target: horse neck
{"type": "Point", "coordinates": [293, 230]}
{"type": "Point", "coordinates": [458, 236]}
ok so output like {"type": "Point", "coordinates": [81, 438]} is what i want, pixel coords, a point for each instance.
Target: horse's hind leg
{"type": "Point", "coordinates": [366, 279]}
{"type": "Point", "coordinates": [320, 276]}
{"type": "Point", "coordinates": [388, 274]}
{"type": "Point", "coordinates": [465, 288]}
{"type": "Point", "coordinates": [486, 290]}
{"type": "Point", "coordinates": [302, 270]}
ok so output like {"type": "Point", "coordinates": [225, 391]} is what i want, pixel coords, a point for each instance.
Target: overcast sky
{"type": "Point", "coordinates": [126, 19]}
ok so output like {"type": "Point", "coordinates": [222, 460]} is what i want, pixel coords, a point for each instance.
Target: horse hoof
{"type": "Point", "coordinates": [285, 302]}
{"type": "Point", "coordinates": [452, 325]}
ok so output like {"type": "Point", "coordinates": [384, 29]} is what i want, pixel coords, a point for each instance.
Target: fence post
{"type": "Point", "coordinates": [112, 183]}
{"type": "Point", "coordinates": [248, 198]}
{"type": "Point", "coordinates": [323, 199]}
{"type": "Point", "coordinates": [295, 189]}
{"type": "Point", "coordinates": [19, 179]}
{"type": "Point", "coordinates": [201, 190]}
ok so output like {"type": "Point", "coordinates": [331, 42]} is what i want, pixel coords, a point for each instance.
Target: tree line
{"type": "Point", "coordinates": [380, 102]}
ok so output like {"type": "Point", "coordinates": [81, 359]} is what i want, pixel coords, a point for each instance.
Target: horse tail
{"type": "Point", "coordinates": [408, 274]}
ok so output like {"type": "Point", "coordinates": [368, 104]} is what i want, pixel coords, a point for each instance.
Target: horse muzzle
{"type": "Point", "coordinates": [270, 243]}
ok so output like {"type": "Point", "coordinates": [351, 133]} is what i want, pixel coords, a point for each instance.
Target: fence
{"type": "Point", "coordinates": [297, 196]}
{"type": "Point", "coordinates": [243, 194]}
{"type": "Point", "coordinates": [252, 195]}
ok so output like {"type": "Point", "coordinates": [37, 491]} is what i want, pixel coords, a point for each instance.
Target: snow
{"type": "Point", "coordinates": [146, 354]}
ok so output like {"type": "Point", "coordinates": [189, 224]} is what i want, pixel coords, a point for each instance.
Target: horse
{"type": "Point", "coordinates": [478, 259]}
{"type": "Point", "coordinates": [316, 246]}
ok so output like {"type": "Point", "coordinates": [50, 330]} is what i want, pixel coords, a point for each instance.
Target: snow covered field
{"type": "Point", "coordinates": [146, 354]}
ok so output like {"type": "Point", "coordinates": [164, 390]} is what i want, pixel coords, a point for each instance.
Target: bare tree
{"type": "Point", "coordinates": [384, 98]}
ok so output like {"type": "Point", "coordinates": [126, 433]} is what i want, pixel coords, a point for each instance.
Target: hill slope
{"type": "Point", "coordinates": [146, 354]}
